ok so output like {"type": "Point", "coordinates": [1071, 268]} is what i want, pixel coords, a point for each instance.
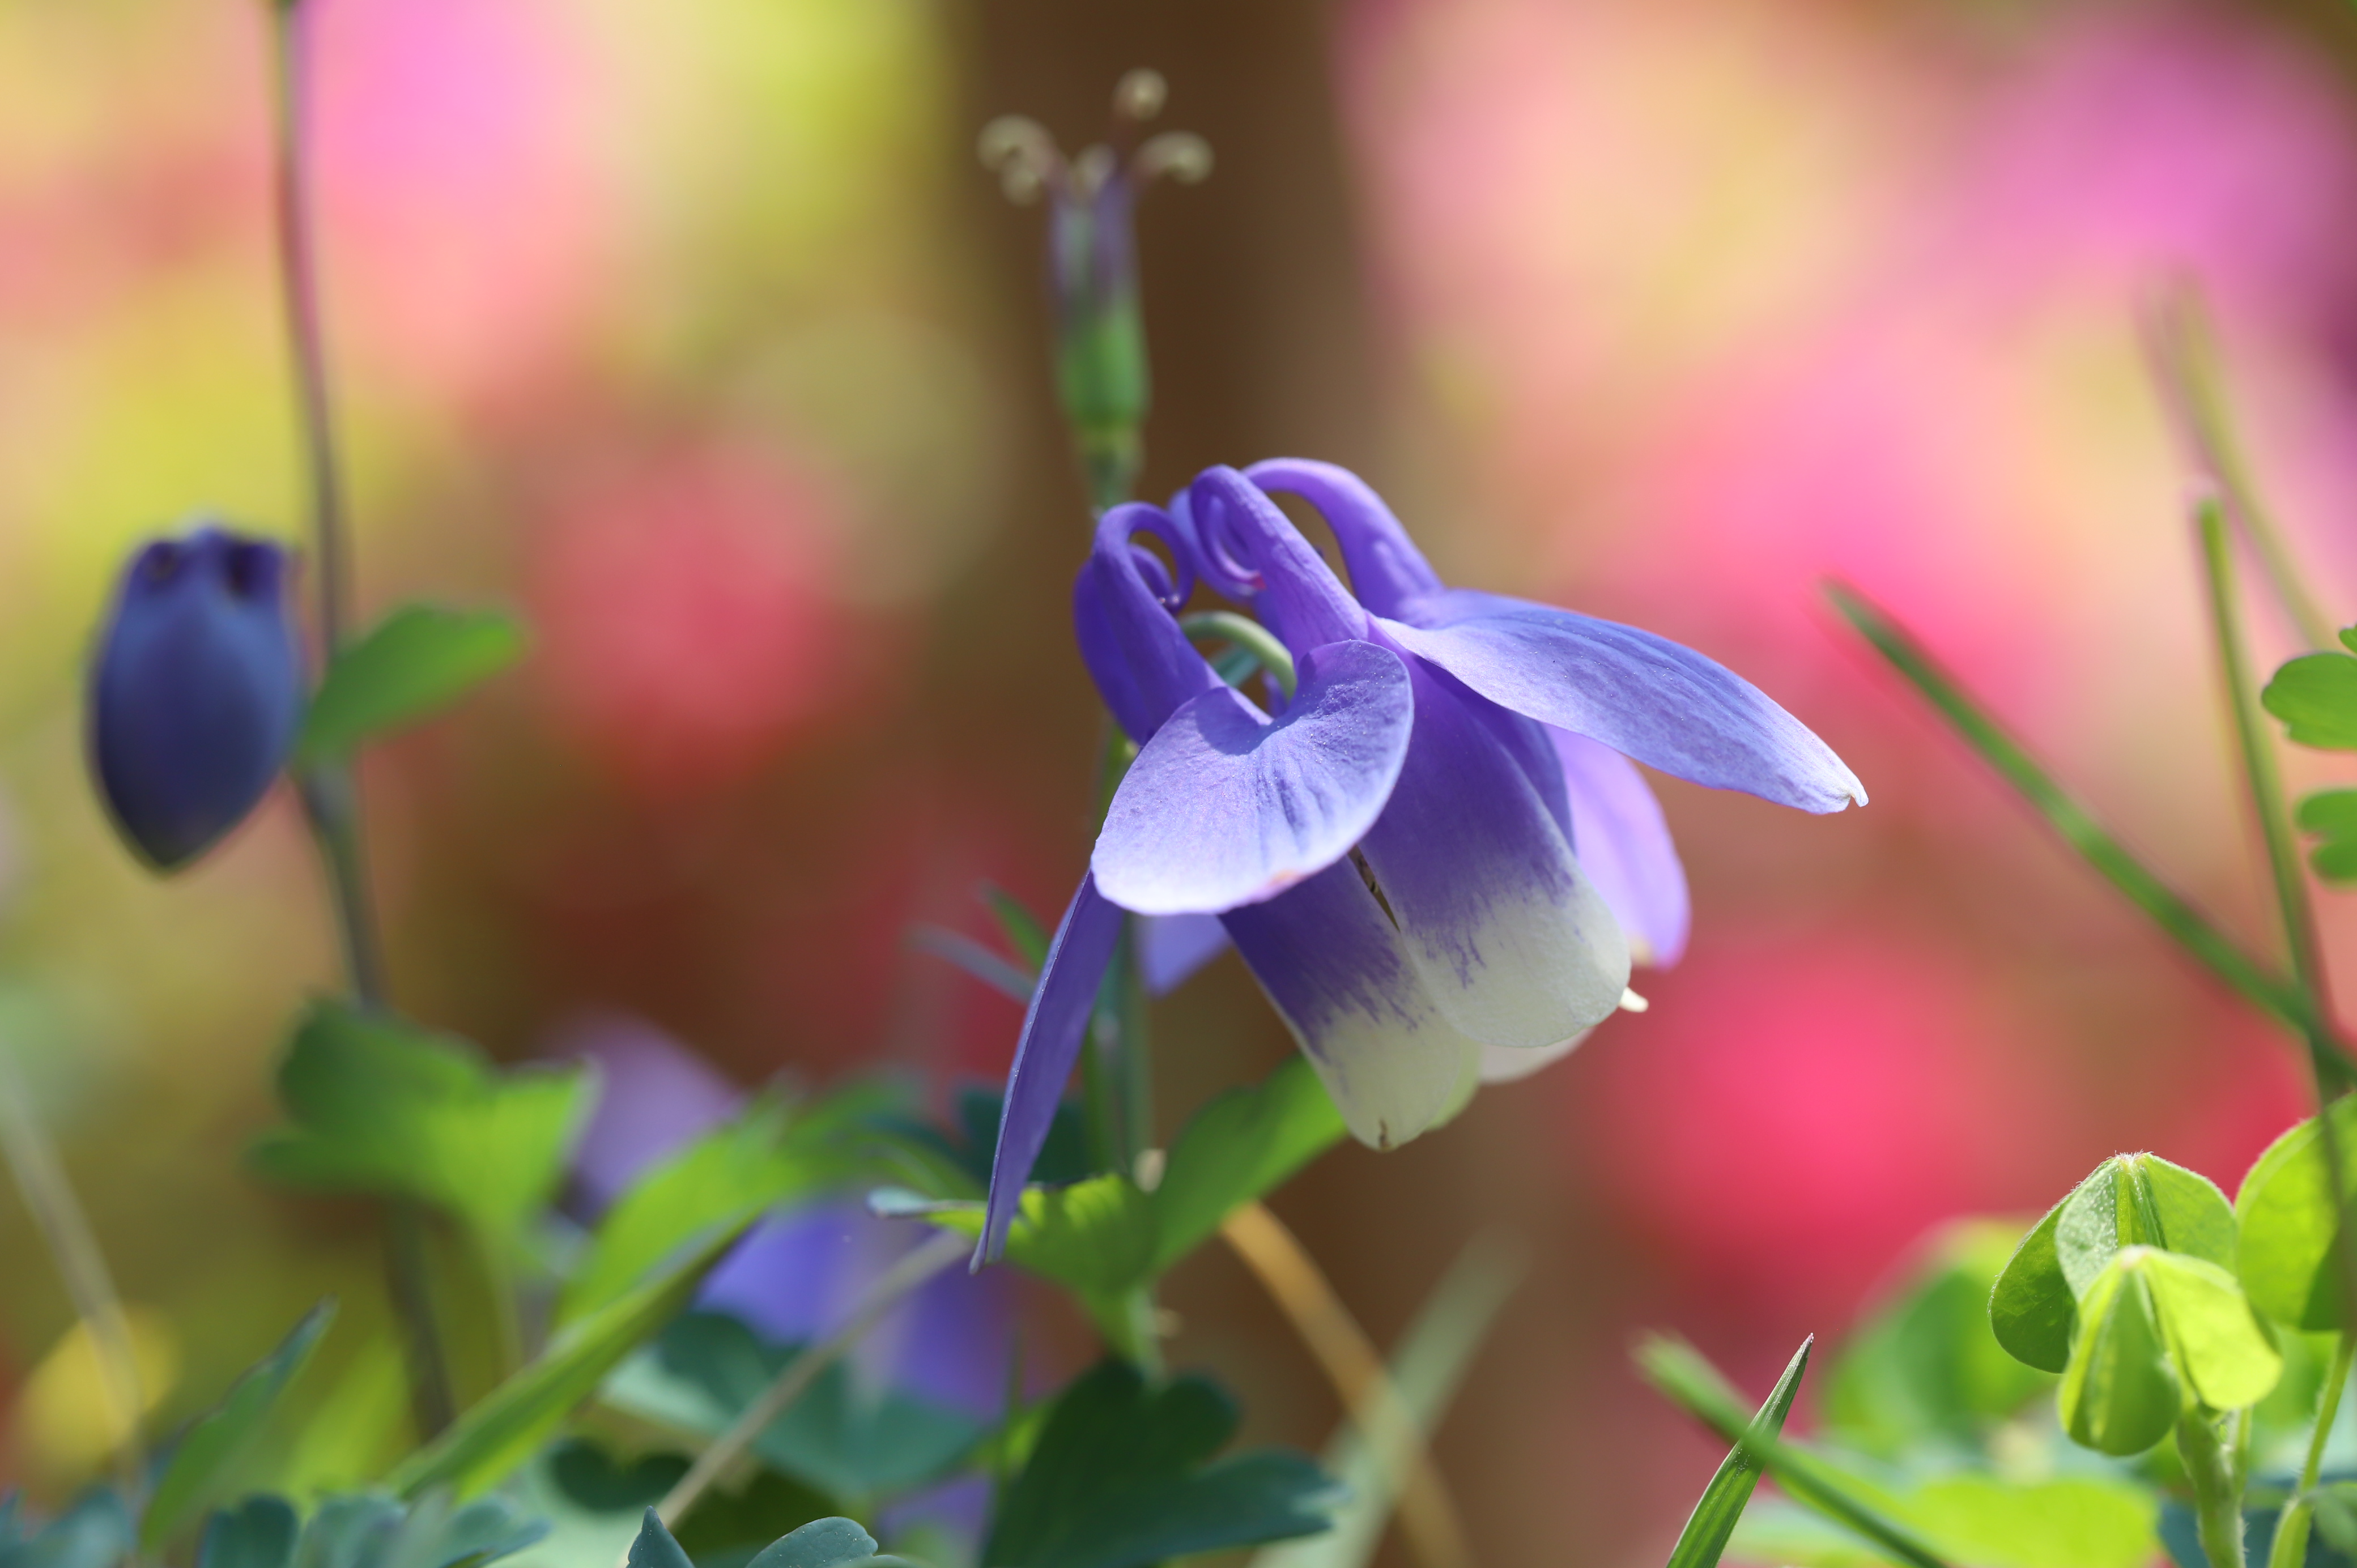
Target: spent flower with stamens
{"type": "Point", "coordinates": [1391, 848]}
{"type": "Point", "coordinates": [1102, 376]}
{"type": "Point", "coordinates": [196, 691]}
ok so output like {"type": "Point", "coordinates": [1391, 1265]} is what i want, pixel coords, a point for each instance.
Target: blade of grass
{"type": "Point", "coordinates": [1426, 1368]}
{"type": "Point", "coordinates": [2257, 982]}
{"type": "Point", "coordinates": [1679, 1371]}
{"type": "Point", "coordinates": [1712, 1523]}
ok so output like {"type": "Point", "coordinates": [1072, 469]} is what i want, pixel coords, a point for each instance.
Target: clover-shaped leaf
{"type": "Point", "coordinates": [409, 666]}
{"type": "Point", "coordinates": [2316, 697]}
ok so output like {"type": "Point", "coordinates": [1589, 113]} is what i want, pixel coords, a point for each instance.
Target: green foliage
{"type": "Point", "coordinates": [1987, 1520]}
{"type": "Point", "coordinates": [1096, 1237]}
{"type": "Point", "coordinates": [767, 1155]}
{"type": "Point", "coordinates": [1244, 1143]}
{"type": "Point", "coordinates": [2160, 1332]}
{"type": "Point", "coordinates": [2289, 1223]}
{"type": "Point", "coordinates": [821, 1543]}
{"type": "Point", "coordinates": [2331, 816]}
{"type": "Point", "coordinates": [1712, 1523]}
{"type": "Point", "coordinates": [1023, 929]}
{"type": "Point", "coordinates": [1122, 1476]}
{"type": "Point", "coordinates": [1925, 1369]}
{"type": "Point", "coordinates": [838, 1438]}
{"type": "Point", "coordinates": [95, 1532]}
{"type": "Point", "coordinates": [504, 1429]}
{"type": "Point", "coordinates": [378, 1105]}
{"type": "Point", "coordinates": [2315, 696]}
{"type": "Point", "coordinates": [417, 661]}
{"type": "Point", "coordinates": [203, 1468]}
{"type": "Point", "coordinates": [366, 1530]}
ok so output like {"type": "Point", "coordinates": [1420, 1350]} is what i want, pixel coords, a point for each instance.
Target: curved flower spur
{"type": "Point", "coordinates": [1391, 851]}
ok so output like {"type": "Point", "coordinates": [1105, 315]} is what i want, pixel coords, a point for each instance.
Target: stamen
{"type": "Point", "coordinates": [1020, 150]}
{"type": "Point", "coordinates": [1139, 95]}
{"type": "Point", "coordinates": [1091, 170]}
{"type": "Point", "coordinates": [1182, 155]}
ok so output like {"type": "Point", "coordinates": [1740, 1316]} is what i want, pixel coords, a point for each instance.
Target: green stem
{"type": "Point", "coordinates": [2217, 1500]}
{"type": "Point", "coordinates": [330, 799]}
{"type": "Point", "coordinates": [1249, 635]}
{"type": "Point", "coordinates": [2292, 1528]}
{"type": "Point", "coordinates": [2187, 926]}
{"type": "Point", "coordinates": [2186, 359]}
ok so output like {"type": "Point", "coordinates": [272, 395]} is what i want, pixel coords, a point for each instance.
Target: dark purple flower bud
{"type": "Point", "coordinates": [197, 692]}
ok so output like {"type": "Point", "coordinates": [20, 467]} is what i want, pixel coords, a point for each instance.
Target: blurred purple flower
{"type": "Point", "coordinates": [798, 1275]}
{"type": "Point", "coordinates": [197, 692]}
{"type": "Point", "coordinates": [1391, 852]}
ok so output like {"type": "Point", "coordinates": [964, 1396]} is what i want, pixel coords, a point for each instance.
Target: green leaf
{"type": "Point", "coordinates": [410, 665]}
{"type": "Point", "coordinates": [838, 1437]}
{"type": "Point", "coordinates": [203, 1468]}
{"type": "Point", "coordinates": [95, 1532]}
{"type": "Point", "coordinates": [1680, 1372]}
{"type": "Point", "coordinates": [2217, 1343]}
{"type": "Point", "coordinates": [767, 1155]}
{"type": "Point", "coordinates": [2064, 813]}
{"type": "Point", "coordinates": [1095, 1236]}
{"type": "Point", "coordinates": [2316, 697]}
{"type": "Point", "coordinates": [2290, 1222]}
{"type": "Point", "coordinates": [1024, 932]}
{"type": "Point", "coordinates": [821, 1543]}
{"type": "Point", "coordinates": [2120, 1394]}
{"type": "Point", "coordinates": [2331, 816]}
{"type": "Point", "coordinates": [260, 1533]}
{"type": "Point", "coordinates": [1242, 1144]}
{"type": "Point", "coordinates": [1122, 1476]}
{"type": "Point", "coordinates": [654, 1548]}
{"type": "Point", "coordinates": [1925, 1366]}
{"type": "Point", "coordinates": [1990, 1521]}
{"type": "Point", "coordinates": [1714, 1519]}
{"type": "Point", "coordinates": [2032, 1309]}
{"type": "Point", "coordinates": [378, 1105]}
{"type": "Point", "coordinates": [507, 1427]}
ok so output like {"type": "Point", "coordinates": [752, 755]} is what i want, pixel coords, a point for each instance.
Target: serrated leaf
{"type": "Point", "coordinates": [379, 1105]}
{"type": "Point", "coordinates": [260, 1533]}
{"type": "Point", "coordinates": [2216, 1342]}
{"type": "Point", "coordinates": [1241, 1145]}
{"type": "Point", "coordinates": [1712, 1524]}
{"type": "Point", "coordinates": [1096, 1236]}
{"type": "Point", "coordinates": [2284, 1257]}
{"type": "Point", "coordinates": [506, 1427]}
{"type": "Point", "coordinates": [417, 661]}
{"type": "Point", "coordinates": [768, 1153]}
{"type": "Point", "coordinates": [1122, 1476]}
{"type": "Point", "coordinates": [2119, 1394]}
{"type": "Point", "coordinates": [203, 1468]}
{"type": "Point", "coordinates": [2316, 697]}
{"type": "Point", "coordinates": [2330, 816]}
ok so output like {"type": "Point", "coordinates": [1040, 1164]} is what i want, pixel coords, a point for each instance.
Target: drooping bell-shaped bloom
{"type": "Point", "coordinates": [197, 691]}
{"type": "Point", "coordinates": [1393, 851]}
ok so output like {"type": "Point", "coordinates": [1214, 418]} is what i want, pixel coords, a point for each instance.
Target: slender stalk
{"type": "Point", "coordinates": [1427, 1514]}
{"type": "Point", "coordinates": [330, 797]}
{"type": "Point", "coordinates": [791, 1382]}
{"type": "Point", "coordinates": [2185, 363]}
{"type": "Point", "coordinates": [2217, 1499]}
{"type": "Point", "coordinates": [2220, 954]}
{"type": "Point", "coordinates": [82, 1265]}
{"type": "Point", "coordinates": [1249, 635]}
{"type": "Point", "coordinates": [2292, 1528]}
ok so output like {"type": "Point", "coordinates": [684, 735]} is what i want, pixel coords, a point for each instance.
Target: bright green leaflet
{"type": "Point", "coordinates": [376, 1105]}
{"type": "Point", "coordinates": [2289, 1221]}
{"type": "Point", "coordinates": [1990, 1521]}
{"type": "Point", "coordinates": [417, 661]}
{"type": "Point", "coordinates": [503, 1430]}
{"type": "Point", "coordinates": [1713, 1521]}
{"type": "Point", "coordinates": [2216, 1342]}
{"type": "Point", "coordinates": [2332, 816]}
{"type": "Point", "coordinates": [1123, 1476]}
{"type": "Point", "coordinates": [203, 1468]}
{"type": "Point", "coordinates": [2032, 1308]}
{"type": "Point", "coordinates": [2316, 697]}
{"type": "Point", "coordinates": [1242, 1144]}
{"type": "Point", "coordinates": [1096, 1236]}
{"type": "Point", "coordinates": [767, 1155]}
{"type": "Point", "coordinates": [2119, 1395]}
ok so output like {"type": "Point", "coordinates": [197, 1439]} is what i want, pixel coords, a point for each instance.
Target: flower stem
{"type": "Point", "coordinates": [2217, 1500]}
{"type": "Point", "coordinates": [2290, 1549]}
{"type": "Point", "coordinates": [330, 796]}
{"type": "Point", "coordinates": [1427, 1514]}
{"type": "Point", "coordinates": [73, 1246]}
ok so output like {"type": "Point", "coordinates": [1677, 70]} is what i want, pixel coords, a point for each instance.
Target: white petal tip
{"type": "Point", "coordinates": [1633, 1002]}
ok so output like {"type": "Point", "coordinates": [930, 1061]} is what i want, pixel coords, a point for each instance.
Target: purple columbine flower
{"type": "Point", "coordinates": [1391, 851]}
{"type": "Point", "coordinates": [197, 692]}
